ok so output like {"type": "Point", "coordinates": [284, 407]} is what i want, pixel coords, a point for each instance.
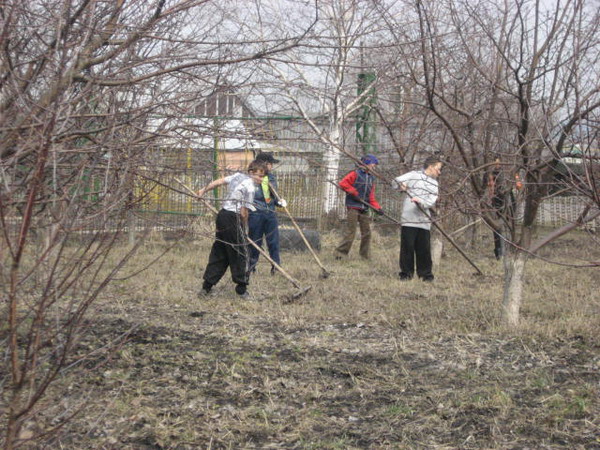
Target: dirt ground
{"type": "Point", "coordinates": [350, 365]}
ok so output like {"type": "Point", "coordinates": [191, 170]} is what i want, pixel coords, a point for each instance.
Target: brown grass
{"type": "Point", "coordinates": [362, 361]}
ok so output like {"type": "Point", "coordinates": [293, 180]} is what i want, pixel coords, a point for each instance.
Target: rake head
{"type": "Point", "coordinates": [325, 274]}
{"type": "Point", "coordinates": [296, 295]}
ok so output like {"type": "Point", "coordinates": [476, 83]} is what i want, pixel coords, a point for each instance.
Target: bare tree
{"type": "Point", "coordinates": [319, 80]}
{"type": "Point", "coordinates": [510, 82]}
{"type": "Point", "coordinates": [86, 89]}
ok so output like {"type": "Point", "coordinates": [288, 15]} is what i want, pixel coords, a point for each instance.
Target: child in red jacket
{"type": "Point", "coordinates": [359, 186]}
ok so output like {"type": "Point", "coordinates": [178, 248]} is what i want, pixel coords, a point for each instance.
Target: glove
{"type": "Point", "coordinates": [282, 203]}
{"type": "Point", "coordinates": [379, 211]}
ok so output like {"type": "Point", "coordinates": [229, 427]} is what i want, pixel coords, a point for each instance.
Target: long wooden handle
{"type": "Point", "coordinates": [251, 242]}
{"type": "Point", "coordinates": [299, 230]}
{"type": "Point", "coordinates": [433, 222]}
{"type": "Point", "coordinates": [277, 266]}
{"type": "Point", "coordinates": [446, 235]}
{"type": "Point", "coordinates": [187, 188]}
{"type": "Point", "coordinates": [467, 226]}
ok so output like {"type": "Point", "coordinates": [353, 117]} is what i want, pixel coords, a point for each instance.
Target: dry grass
{"type": "Point", "coordinates": [362, 361]}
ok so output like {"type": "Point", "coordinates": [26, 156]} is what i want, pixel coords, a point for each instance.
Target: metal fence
{"type": "Point", "coordinates": [163, 204]}
{"type": "Point", "coordinates": [303, 192]}
{"type": "Point", "coordinates": [559, 211]}
{"type": "Point", "coordinates": [168, 202]}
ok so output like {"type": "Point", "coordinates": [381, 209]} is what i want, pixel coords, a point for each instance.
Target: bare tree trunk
{"type": "Point", "coordinates": [437, 248]}
{"type": "Point", "coordinates": [514, 274]}
{"type": "Point", "coordinates": [332, 163]}
{"type": "Point", "coordinates": [473, 235]}
{"type": "Point", "coordinates": [332, 154]}
{"type": "Point", "coordinates": [13, 426]}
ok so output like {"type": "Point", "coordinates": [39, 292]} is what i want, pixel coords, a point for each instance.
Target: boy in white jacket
{"type": "Point", "coordinates": [421, 187]}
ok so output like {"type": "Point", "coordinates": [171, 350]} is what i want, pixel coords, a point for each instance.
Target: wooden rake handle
{"type": "Point", "coordinates": [277, 266]}
{"type": "Point", "coordinates": [250, 241]}
{"type": "Point", "coordinates": [299, 230]}
{"type": "Point", "coordinates": [187, 188]}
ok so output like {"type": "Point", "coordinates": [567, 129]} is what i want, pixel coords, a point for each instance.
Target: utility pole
{"type": "Point", "coordinates": [365, 131]}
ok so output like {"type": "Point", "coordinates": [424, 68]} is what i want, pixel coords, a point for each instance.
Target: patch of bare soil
{"type": "Point", "coordinates": [211, 378]}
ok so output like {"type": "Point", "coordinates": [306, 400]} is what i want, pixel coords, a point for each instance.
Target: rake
{"type": "Point", "coordinates": [324, 272]}
{"type": "Point", "coordinates": [301, 291]}
{"type": "Point", "coordinates": [440, 229]}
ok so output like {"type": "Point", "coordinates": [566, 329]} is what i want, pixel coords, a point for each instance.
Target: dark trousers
{"type": "Point", "coordinates": [415, 242]}
{"type": "Point", "coordinates": [228, 250]}
{"type": "Point", "coordinates": [264, 223]}
{"type": "Point", "coordinates": [497, 245]}
{"type": "Point", "coordinates": [361, 219]}
{"type": "Point", "coordinates": [505, 206]}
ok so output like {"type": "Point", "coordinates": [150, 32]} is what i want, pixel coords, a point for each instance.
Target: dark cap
{"type": "Point", "coordinates": [266, 157]}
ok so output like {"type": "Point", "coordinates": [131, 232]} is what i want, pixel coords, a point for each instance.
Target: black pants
{"type": "Point", "coordinates": [415, 242]}
{"type": "Point", "coordinates": [505, 206]}
{"type": "Point", "coordinates": [228, 250]}
{"type": "Point", "coordinates": [497, 244]}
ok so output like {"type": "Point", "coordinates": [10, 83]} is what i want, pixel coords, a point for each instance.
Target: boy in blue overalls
{"type": "Point", "coordinates": [263, 222]}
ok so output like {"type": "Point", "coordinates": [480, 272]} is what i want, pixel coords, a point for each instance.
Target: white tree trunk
{"type": "Point", "coordinates": [514, 271]}
{"type": "Point", "coordinates": [437, 248]}
{"type": "Point", "coordinates": [330, 191]}
{"type": "Point", "coordinates": [332, 156]}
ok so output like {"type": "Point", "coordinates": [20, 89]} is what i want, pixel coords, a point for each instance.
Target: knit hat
{"type": "Point", "coordinates": [369, 159]}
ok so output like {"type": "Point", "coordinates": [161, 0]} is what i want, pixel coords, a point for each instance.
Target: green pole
{"type": "Point", "coordinates": [365, 135]}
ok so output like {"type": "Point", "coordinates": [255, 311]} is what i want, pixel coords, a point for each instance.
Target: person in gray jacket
{"type": "Point", "coordinates": [421, 187]}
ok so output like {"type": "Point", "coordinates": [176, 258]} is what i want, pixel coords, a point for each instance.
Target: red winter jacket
{"type": "Point", "coordinates": [362, 185]}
